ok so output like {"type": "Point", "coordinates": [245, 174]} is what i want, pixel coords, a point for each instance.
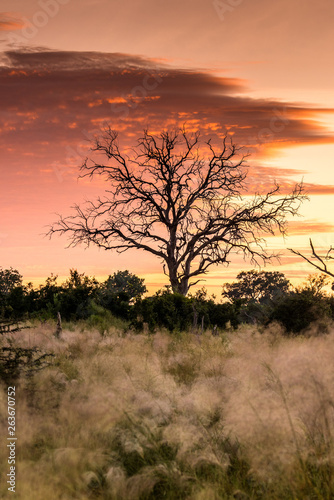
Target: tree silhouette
{"type": "Point", "coordinates": [9, 279]}
{"type": "Point", "coordinates": [180, 199]}
{"type": "Point", "coordinates": [257, 286]}
{"type": "Point", "coordinates": [319, 261]}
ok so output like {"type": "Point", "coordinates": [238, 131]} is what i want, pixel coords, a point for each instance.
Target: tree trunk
{"type": "Point", "coordinates": [183, 287]}
{"type": "Point", "coordinates": [178, 286]}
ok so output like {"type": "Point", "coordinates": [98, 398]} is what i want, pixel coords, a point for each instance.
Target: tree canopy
{"type": "Point", "coordinates": [126, 283]}
{"type": "Point", "coordinates": [256, 286]}
{"type": "Point", "coordinates": [9, 279]}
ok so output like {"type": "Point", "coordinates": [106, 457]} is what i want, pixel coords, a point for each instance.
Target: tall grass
{"type": "Point", "coordinates": [243, 415]}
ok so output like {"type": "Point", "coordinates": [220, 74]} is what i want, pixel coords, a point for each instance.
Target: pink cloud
{"type": "Point", "coordinates": [9, 22]}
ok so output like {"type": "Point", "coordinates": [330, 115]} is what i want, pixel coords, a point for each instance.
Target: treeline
{"type": "Point", "coordinates": [256, 297]}
{"type": "Point", "coordinates": [75, 299]}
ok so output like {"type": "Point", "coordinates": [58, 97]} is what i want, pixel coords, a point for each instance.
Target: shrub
{"type": "Point", "coordinates": [257, 286]}
{"type": "Point", "coordinates": [102, 319]}
{"type": "Point", "coordinates": [177, 313]}
{"type": "Point", "coordinates": [15, 361]}
{"type": "Point", "coordinates": [171, 311]}
{"type": "Point", "coordinates": [297, 310]}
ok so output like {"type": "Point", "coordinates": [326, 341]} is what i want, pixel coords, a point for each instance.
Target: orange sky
{"type": "Point", "coordinates": [260, 71]}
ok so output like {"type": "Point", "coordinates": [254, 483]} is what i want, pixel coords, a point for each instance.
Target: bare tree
{"type": "Point", "coordinates": [320, 262]}
{"type": "Point", "coordinates": [182, 206]}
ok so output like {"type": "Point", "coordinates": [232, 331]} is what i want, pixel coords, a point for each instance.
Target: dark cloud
{"type": "Point", "coordinates": [88, 86]}
{"type": "Point", "coordinates": [51, 102]}
{"type": "Point", "coordinates": [51, 60]}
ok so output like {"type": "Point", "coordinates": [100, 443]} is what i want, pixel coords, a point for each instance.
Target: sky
{"type": "Point", "coordinates": [260, 71]}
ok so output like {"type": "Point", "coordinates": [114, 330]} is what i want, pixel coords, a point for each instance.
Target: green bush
{"type": "Point", "coordinates": [103, 320]}
{"type": "Point", "coordinates": [297, 310]}
{"type": "Point", "coordinates": [171, 311]}
{"type": "Point", "coordinates": [177, 313]}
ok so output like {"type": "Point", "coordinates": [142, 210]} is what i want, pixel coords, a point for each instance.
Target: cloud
{"type": "Point", "coordinates": [318, 189]}
{"type": "Point", "coordinates": [260, 179]}
{"type": "Point", "coordinates": [9, 23]}
{"type": "Point", "coordinates": [52, 60]}
{"type": "Point", "coordinates": [307, 227]}
{"type": "Point", "coordinates": [52, 102]}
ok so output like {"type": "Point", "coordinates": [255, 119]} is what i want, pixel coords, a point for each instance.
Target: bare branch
{"type": "Point", "coordinates": [322, 267]}
{"type": "Point", "coordinates": [182, 206]}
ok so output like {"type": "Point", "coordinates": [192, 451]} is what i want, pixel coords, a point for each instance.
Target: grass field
{"type": "Point", "coordinates": [242, 415]}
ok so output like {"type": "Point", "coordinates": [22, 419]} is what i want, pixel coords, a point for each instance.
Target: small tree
{"type": "Point", "coordinates": [126, 283]}
{"type": "Point", "coordinates": [306, 304]}
{"type": "Point", "coordinates": [179, 199]}
{"type": "Point", "coordinates": [46, 297]}
{"type": "Point", "coordinates": [256, 286]}
{"type": "Point", "coordinates": [12, 293]}
{"type": "Point", "coordinates": [315, 284]}
{"type": "Point", "coordinates": [76, 294]}
{"type": "Point", "coordinates": [119, 291]}
{"type": "Point", "coordinates": [9, 279]}
{"type": "Point", "coordinates": [71, 299]}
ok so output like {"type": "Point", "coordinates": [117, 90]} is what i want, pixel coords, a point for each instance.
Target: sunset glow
{"type": "Point", "coordinates": [260, 72]}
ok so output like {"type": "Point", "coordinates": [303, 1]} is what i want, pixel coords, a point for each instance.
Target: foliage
{"type": "Point", "coordinates": [9, 279]}
{"type": "Point", "coordinates": [73, 299]}
{"type": "Point", "coordinates": [298, 309]}
{"type": "Point", "coordinates": [70, 299]}
{"type": "Point", "coordinates": [76, 294]}
{"type": "Point", "coordinates": [125, 282]}
{"type": "Point", "coordinates": [9, 326]}
{"type": "Point", "coordinates": [256, 297]}
{"type": "Point", "coordinates": [315, 284]}
{"type": "Point", "coordinates": [171, 311]}
{"type": "Point", "coordinates": [119, 291]}
{"type": "Point", "coordinates": [255, 294]}
{"type": "Point", "coordinates": [257, 286]}
{"type": "Point", "coordinates": [103, 320]}
{"type": "Point", "coordinates": [178, 313]}
{"type": "Point", "coordinates": [15, 361]}
{"type": "Point", "coordinates": [11, 293]}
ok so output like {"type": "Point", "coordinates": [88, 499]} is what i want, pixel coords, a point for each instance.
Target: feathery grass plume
{"type": "Point", "coordinates": [246, 415]}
